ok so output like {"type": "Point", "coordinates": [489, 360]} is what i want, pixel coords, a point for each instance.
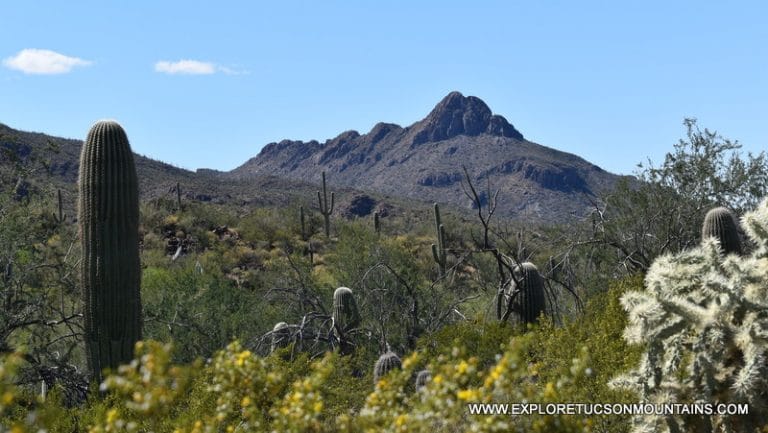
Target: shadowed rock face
{"type": "Point", "coordinates": [361, 205]}
{"type": "Point", "coordinates": [425, 160]}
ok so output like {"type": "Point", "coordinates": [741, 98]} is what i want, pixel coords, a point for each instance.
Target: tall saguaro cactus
{"type": "Point", "coordinates": [325, 209]}
{"type": "Point", "coordinates": [438, 250]}
{"type": "Point", "coordinates": [108, 214]}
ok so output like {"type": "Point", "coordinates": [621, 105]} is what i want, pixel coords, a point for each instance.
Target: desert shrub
{"type": "Point", "coordinates": [199, 311]}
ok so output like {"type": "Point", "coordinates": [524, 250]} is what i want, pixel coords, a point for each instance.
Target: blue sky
{"type": "Point", "coordinates": [207, 84]}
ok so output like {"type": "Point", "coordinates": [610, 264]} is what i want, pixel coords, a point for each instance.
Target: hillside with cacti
{"type": "Point", "coordinates": [126, 310]}
{"type": "Point", "coordinates": [422, 163]}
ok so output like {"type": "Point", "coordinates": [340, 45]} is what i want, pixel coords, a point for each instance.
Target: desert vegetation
{"type": "Point", "coordinates": [177, 315]}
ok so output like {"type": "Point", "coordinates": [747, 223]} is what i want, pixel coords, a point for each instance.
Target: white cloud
{"type": "Point", "coordinates": [35, 61]}
{"type": "Point", "coordinates": [230, 71]}
{"type": "Point", "coordinates": [194, 67]}
{"type": "Point", "coordinates": [190, 67]}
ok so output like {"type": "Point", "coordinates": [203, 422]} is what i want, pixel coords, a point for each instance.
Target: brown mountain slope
{"type": "Point", "coordinates": [424, 161]}
{"type": "Point", "coordinates": [156, 178]}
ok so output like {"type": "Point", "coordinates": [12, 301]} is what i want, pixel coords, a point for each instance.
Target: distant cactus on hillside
{"type": "Point", "coordinates": [302, 220]}
{"type": "Point", "coordinates": [438, 250]}
{"type": "Point", "coordinates": [60, 216]}
{"type": "Point", "coordinates": [326, 209]}
{"type": "Point", "coordinates": [108, 214]}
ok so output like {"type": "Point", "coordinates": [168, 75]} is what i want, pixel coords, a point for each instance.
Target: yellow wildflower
{"type": "Point", "coordinates": [401, 420]}
{"type": "Point", "coordinates": [112, 416]}
{"type": "Point", "coordinates": [549, 390]}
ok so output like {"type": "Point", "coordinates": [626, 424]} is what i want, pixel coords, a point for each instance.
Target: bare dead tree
{"type": "Point", "coordinates": [506, 265]}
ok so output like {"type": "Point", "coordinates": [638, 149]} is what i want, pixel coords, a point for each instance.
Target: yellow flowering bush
{"type": "Point", "coordinates": [239, 391]}
{"type": "Point", "coordinates": [8, 392]}
{"type": "Point", "coordinates": [301, 409]}
{"type": "Point", "coordinates": [457, 382]}
{"type": "Point", "coordinates": [148, 388]}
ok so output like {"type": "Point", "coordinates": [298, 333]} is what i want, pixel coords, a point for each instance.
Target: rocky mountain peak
{"type": "Point", "coordinates": [456, 115]}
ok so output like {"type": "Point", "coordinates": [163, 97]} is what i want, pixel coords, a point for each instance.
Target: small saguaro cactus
{"type": "Point", "coordinates": [281, 336]}
{"type": "Point", "coordinates": [59, 218]}
{"type": "Point", "coordinates": [108, 216]}
{"type": "Point", "coordinates": [345, 314]}
{"type": "Point", "coordinates": [8, 272]}
{"type": "Point", "coordinates": [438, 250]}
{"type": "Point", "coordinates": [720, 224]}
{"type": "Point", "coordinates": [422, 379]}
{"type": "Point", "coordinates": [530, 298]}
{"type": "Point", "coordinates": [178, 196]}
{"type": "Point", "coordinates": [386, 363]}
{"type": "Point", "coordinates": [303, 224]}
{"type": "Point", "coordinates": [325, 208]}
{"type": "Point", "coordinates": [376, 223]}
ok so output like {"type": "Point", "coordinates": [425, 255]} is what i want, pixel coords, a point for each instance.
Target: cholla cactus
{"type": "Point", "coordinates": [721, 225]}
{"type": "Point", "coordinates": [281, 336]}
{"type": "Point", "coordinates": [386, 363]}
{"type": "Point", "coordinates": [345, 314]}
{"type": "Point", "coordinates": [703, 318]}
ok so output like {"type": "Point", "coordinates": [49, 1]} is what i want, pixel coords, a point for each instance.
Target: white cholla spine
{"type": "Point", "coordinates": [704, 320]}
